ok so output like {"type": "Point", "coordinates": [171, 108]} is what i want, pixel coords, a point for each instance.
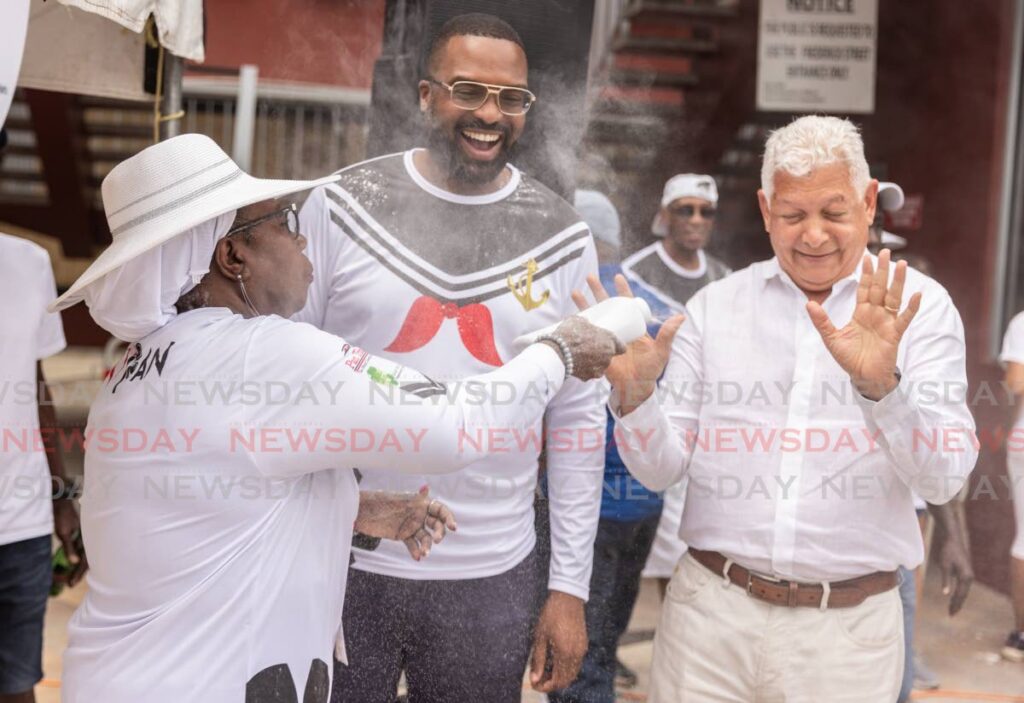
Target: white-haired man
{"type": "Point", "coordinates": [799, 509]}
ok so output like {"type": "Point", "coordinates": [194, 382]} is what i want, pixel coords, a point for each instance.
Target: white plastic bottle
{"type": "Point", "coordinates": [626, 318]}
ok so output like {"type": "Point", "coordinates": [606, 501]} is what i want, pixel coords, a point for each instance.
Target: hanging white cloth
{"type": "Point", "coordinates": [179, 22]}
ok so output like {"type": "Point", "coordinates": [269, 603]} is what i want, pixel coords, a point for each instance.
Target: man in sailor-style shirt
{"type": "Point", "coordinates": [439, 258]}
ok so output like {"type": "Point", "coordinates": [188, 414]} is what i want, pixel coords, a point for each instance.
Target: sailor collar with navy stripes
{"type": "Point", "coordinates": [444, 249]}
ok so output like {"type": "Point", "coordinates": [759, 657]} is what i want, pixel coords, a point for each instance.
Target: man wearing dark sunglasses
{"type": "Point", "coordinates": [438, 258]}
{"type": "Point", "coordinates": [677, 266]}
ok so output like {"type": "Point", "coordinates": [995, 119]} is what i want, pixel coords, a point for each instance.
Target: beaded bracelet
{"type": "Point", "coordinates": [567, 359]}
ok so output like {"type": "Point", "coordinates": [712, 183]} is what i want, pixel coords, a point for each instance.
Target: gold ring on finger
{"type": "Point", "coordinates": [893, 310]}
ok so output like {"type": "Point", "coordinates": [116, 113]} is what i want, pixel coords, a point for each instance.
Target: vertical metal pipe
{"type": "Point", "coordinates": [245, 116]}
{"type": "Point", "coordinates": [174, 67]}
{"type": "Point", "coordinates": [298, 131]}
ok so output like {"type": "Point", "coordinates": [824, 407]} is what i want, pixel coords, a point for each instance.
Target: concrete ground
{"type": "Point", "coordinates": [963, 651]}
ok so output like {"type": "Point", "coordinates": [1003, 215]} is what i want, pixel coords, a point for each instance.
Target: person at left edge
{"type": "Point", "coordinates": [219, 567]}
{"type": "Point", "coordinates": [30, 512]}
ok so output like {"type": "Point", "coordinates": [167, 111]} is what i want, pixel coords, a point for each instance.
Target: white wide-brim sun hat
{"type": "Point", "coordinates": [167, 189]}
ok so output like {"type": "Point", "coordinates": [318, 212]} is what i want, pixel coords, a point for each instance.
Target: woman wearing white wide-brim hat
{"type": "Point", "coordinates": [219, 496]}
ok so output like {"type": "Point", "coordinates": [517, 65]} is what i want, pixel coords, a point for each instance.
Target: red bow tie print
{"type": "Point", "coordinates": [476, 328]}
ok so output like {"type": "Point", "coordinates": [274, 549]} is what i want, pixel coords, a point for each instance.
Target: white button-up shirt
{"type": "Point", "coordinates": [791, 471]}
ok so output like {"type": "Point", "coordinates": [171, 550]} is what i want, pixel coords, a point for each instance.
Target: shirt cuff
{"type": "Point", "coordinates": [557, 583]}
{"type": "Point", "coordinates": [889, 411]}
{"type": "Point", "coordinates": [645, 415]}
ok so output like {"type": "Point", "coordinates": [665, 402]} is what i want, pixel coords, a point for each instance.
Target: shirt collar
{"type": "Point", "coordinates": [772, 269]}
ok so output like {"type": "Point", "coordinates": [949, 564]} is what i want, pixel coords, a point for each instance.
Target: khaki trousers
{"type": "Point", "coordinates": [715, 643]}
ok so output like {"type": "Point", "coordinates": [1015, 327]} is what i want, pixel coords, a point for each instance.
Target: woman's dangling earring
{"type": "Point", "coordinates": [245, 296]}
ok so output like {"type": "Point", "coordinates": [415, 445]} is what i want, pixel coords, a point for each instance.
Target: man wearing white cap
{"type": "Point", "coordinates": [219, 506]}
{"type": "Point", "coordinates": [792, 400]}
{"type": "Point", "coordinates": [677, 266]}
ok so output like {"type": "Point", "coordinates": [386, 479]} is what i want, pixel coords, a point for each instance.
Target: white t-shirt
{"type": "Point", "coordinates": [29, 333]}
{"type": "Point", "coordinates": [219, 501]}
{"type": "Point", "coordinates": [444, 283]}
{"type": "Point", "coordinates": [1013, 349]}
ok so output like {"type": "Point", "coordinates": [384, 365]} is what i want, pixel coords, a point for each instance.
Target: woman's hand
{"type": "Point", "coordinates": [412, 518]}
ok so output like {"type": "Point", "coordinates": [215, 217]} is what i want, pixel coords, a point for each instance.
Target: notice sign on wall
{"type": "Point", "coordinates": [817, 55]}
{"type": "Point", "coordinates": [12, 44]}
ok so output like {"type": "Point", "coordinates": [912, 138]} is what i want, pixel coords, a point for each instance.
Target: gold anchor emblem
{"type": "Point", "coordinates": [522, 288]}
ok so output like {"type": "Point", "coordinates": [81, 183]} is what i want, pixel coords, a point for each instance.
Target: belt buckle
{"type": "Point", "coordinates": [750, 585]}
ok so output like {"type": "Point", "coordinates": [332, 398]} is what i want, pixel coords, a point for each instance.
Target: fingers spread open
{"type": "Point", "coordinates": [880, 281]}
{"type": "Point", "coordinates": [622, 286]}
{"type": "Point", "coordinates": [906, 317]}
{"type": "Point", "coordinates": [581, 300]}
{"type": "Point", "coordinates": [894, 296]}
{"type": "Point", "coordinates": [866, 274]}
{"type": "Point", "coordinates": [596, 289]}
{"type": "Point", "coordinates": [667, 333]}
{"type": "Point", "coordinates": [820, 319]}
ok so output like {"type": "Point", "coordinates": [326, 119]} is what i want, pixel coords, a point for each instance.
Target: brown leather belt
{"type": "Point", "coordinates": [842, 594]}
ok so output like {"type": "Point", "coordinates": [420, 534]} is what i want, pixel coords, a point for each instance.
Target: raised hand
{"type": "Point", "coordinates": [866, 348]}
{"type": "Point", "coordinates": [635, 373]}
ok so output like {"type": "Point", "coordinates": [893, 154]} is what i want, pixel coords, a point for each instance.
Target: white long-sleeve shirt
{"type": "Point", "coordinates": [791, 471]}
{"type": "Point", "coordinates": [445, 283]}
{"type": "Point", "coordinates": [219, 500]}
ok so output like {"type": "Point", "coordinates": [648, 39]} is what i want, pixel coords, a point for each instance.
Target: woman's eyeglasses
{"type": "Point", "coordinates": [290, 215]}
{"type": "Point", "coordinates": [688, 211]}
{"type": "Point", "coordinates": [470, 95]}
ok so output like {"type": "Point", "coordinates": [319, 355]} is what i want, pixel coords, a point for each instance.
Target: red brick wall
{"type": "Point", "coordinates": [332, 42]}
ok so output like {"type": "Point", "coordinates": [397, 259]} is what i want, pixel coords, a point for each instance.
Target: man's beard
{"type": "Point", "coordinates": [460, 167]}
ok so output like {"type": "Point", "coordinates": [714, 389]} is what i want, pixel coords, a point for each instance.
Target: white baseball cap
{"type": "Point", "coordinates": [684, 185]}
